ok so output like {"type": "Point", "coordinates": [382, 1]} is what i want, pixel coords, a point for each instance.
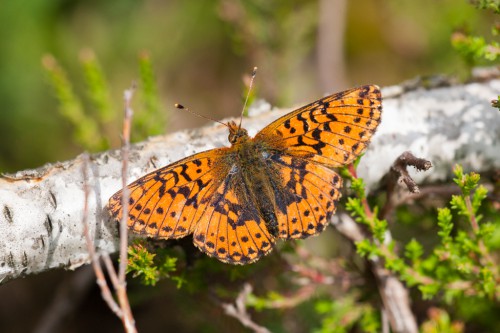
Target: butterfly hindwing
{"type": "Point", "coordinates": [233, 230]}
{"type": "Point", "coordinates": [306, 198]}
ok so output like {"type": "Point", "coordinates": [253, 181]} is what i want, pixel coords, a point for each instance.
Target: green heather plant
{"type": "Point", "coordinates": [475, 49]}
{"type": "Point", "coordinates": [462, 267]}
{"type": "Point", "coordinates": [91, 114]}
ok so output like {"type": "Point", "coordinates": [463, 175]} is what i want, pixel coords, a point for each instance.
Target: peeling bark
{"type": "Point", "coordinates": [41, 210]}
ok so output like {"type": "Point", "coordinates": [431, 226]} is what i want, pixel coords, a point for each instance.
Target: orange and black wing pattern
{"type": "Point", "coordinates": [168, 202]}
{"type": "Point", "coordinates": [332, 131]}
{"type": "Point", "coordinates": [306, 195]}
{"type": "Point", "coordinates": [233, 231]}
{"type": "Point", "coordinates": [198, 195]}
{"type": "Point", "coordinates": [307, 142]}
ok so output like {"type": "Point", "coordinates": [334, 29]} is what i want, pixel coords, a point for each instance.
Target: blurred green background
{"type": "Point", "coordinates": [200, 51]}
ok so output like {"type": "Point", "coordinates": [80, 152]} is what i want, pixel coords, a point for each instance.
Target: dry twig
{"type": "Point", "coordinates": [399, 169]}
{"type": "Point", "coordinates": [118, 280]}
{"type": "Point", "coordinates": [121, 286]}
{"type": "Point", "coordinates": [399, 174]}
{"type": "Point", "coordinates": [101, 280]}
{"type": "Point", "coordinates": [238, 310]}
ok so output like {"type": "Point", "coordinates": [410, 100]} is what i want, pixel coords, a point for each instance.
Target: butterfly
{"type": "Point", "coordinates": [238, 200]}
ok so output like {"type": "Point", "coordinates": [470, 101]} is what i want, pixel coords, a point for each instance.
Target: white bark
{"type": "Point", "coordinates": [41, 210]}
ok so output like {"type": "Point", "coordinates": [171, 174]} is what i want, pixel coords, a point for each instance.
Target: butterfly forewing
{"type": "Point", "coordinates": [168, 202]}
{"type": "Point", "coordinates": [333, 130]}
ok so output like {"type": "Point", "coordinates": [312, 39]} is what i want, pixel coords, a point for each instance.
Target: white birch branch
{"type": "Point", "coordinates": [41, 210]}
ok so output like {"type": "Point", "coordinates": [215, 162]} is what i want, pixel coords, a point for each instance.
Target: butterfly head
{"type": "Point", "coordinates": [236, 133]}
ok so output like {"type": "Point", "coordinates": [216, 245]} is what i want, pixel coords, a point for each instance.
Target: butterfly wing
{"type": "Point", "coordinates": [198, 194]}
{"type": "Point", "coordinates": [306, 197]}
{"type": "Point", "coordinates": [168, 202]}
{"type": "Point", "coordinates": [330, 132]}
{"type": "Point", "coordinates": [333, 130]}
{"type": "Point", "coordinates": [233, 230]}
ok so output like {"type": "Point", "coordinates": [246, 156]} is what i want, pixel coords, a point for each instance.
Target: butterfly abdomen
{"type": "Point", "coordinates": [257, 179]}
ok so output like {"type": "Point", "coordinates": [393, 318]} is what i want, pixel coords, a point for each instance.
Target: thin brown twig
{"type": "Point", "coordinates": [392, 291]}
{"type": "Point", "coordinates": [118, 280]}
{"type": "Point", "coordinates": [299, 296]}
{"type": "Point", "coordinates": [313, 273]}
{"type": "Point", "coordinates": [110, 268]}
{"type": "Point", "coordinates": [101, 280]}
{"type": "Point", "coordinates": [322, 271]}
{"type": "Point", "coordinates": [127, 96]}
{"type": "Point", "coordinates": [121, 286]}
{"type": "Point", "coordinates": [366, 206]}
{"type": "Point", "coordinates": [444, 190]}
{"type": "Point", "coordinates": [330, 44]}
{"type": "Point", "coordinates": [69, 295]}
{"type": "Point", "coordinates": [385, 321]}
{"type": "Point", "coordinates": [238, 310]}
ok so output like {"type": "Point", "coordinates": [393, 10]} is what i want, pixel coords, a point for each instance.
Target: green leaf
{"type": "Point", "coordinates": [366, 248]}
{"type": "Point", "coordinates": [478, 197]}
{"type": "Point", "coordinates": [370, 322]}
{"type": "Point", "coordinates": [466, 182]}
{"type": "Point", "coordinates": [445, 225]}
{"type": "Point", "coordinates": [355, 206]}
{"type": "Point", "coordinates": [141, 264]}
{"type": "Point", "coordinates": [87, 132]}
{"type": "Point", "coordinates": [414, 250]}
{"type": "Point", "coordinates": [429, 290]}
{"type": "Point", "coordinates": [488, 284]}
{"type": "Point", "coordinates": [150, 267]}
{"type": "Point", "coordinates": [358, 186]}
{"type": "Point", "coordinates": [395, 264]}
{"type": "Point", "coordinates": [458, 203]}
{"type": "Point", "coordinates": [486, 231]}
{"type": "Point", "coordinates": [493, 5]}
{"type": "Point", "coordinates": [379, 228]}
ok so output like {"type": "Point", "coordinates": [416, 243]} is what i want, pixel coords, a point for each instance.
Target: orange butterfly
{"type": "Point", "coordinates": [236, 201]}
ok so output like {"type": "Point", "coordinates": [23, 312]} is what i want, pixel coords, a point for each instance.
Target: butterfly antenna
{"type": "Point", "coordinates": [182, 107]}
{"type": "Point", "coordinates": [254, 73]}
